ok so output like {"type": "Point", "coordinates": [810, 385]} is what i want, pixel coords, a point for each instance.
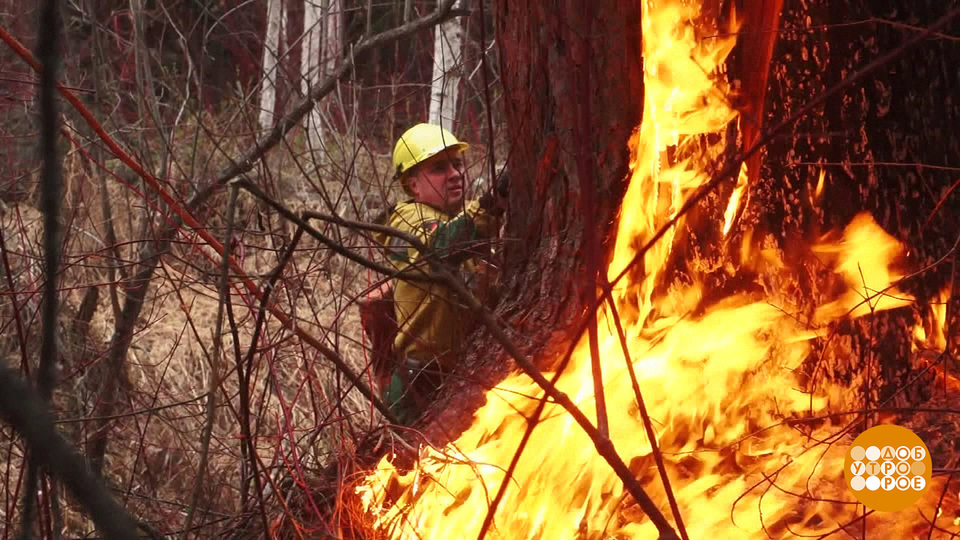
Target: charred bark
{"type": "Point", "coordinates": [888, 146]}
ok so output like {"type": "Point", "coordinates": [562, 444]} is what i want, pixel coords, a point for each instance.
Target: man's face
{"type": "Point", "coordinates": [439, 181]}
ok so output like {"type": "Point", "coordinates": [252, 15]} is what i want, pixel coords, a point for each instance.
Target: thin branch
{"type": "Point", "coordinates": [244, 376]}
{"type": "Point", "coordinates": [647, 422]}
{"type": "Point", "coordinates": [17, 316]}
{"type": "Point", "coordinates": [941, 201]}
{"type": "Point", "coordinates": [51, 185]}
{"type": "Point", "coordinates": [337, 247]}
{"type": "Point", "coordinates": [96, 164]}
{"type": "Point", "coordinates": [602, 443]}
{"type": "Point", "coordinates": [532, 423]}
{"type": "Point", "coordinates": [486, 94]}
{"type": "Point", "coordinates": [936, 511]}
{"type": "Point", "coordinates": [213, 381]}
{"type": "Point", "coordinates": [51, 188]}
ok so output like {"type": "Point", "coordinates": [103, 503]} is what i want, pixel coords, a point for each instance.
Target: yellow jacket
{"type": "Point", "coordinates": [432, 322]}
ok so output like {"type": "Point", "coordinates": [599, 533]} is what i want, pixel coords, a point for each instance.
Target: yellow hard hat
{"type": "Point", "coordinates": [419, 143]}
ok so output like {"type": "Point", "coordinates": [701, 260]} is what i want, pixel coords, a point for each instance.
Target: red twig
{"type": "Point", "coordinates": [941, 201]}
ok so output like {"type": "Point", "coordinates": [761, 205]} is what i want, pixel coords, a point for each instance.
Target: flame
{"type": "Point", "coordinates": [818, 192]}
{"type": "Point", "coordinates": [862, 258]}
{"type": "Point", "coordinates": [721, 387]}
{"type": "Point", "coordinates": [930, 343]}
{"type": "Point", "coordinates": [736, 199]}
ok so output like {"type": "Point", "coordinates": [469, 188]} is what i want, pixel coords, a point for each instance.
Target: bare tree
{"type": "Point", "coordinates": [276, 23]}
{"type": "Point", "coordinates": [310, 58]}
{"type": "Point", "coordinates": [447, 56]}
{"type": "Point", "coordinates": [321, 48]}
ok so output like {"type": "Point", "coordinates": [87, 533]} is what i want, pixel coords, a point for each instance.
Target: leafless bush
{"type": "Point", "coordinates": [174, 88]}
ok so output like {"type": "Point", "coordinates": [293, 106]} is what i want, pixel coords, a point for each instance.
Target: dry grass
{"type": "Point", "coordinates": [301, 414]}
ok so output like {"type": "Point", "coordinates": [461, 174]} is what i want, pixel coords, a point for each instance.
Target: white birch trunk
{"type": "Point", "coordinates": [310, 65]}
{"type": "Point", "coordinates": [276, 17]}
{"type": "Point", "coordinates": [321, 42]}
{"type": "Point", "coordinates": [447, 50]}
{"type": "Point", "coordinates": [332, 34]}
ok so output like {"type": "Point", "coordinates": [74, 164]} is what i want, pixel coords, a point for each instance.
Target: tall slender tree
{"type": "Point", "coordinates": [276, 17]}
{"type": "Point", "coordinates": [321, 48]}
{"type": "Point", "coordinates": [447, 56]}
{"type": "Point", "coordinates": [309, 63]}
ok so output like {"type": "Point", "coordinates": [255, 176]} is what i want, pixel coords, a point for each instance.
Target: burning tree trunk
{"type": "Point", "coordinates": [885, 147]}
{"type": "Point", "coordinates": [573, 102]}
{"type": "Point", "coordinates": [888, 146]}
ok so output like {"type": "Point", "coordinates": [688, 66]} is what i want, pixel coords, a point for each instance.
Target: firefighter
{"type": "Point", "coordinates": [431, 322]}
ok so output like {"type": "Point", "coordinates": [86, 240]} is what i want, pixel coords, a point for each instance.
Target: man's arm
{"type": "Point", "coordinates": [478, 221]}
{"type": "Point", "coordinates": [450, 241]}
{"type": "Point", "coordinates": [459, 239]}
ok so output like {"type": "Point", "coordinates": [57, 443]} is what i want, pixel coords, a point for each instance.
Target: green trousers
{"type": "Point", "coordinates": [412, 388]}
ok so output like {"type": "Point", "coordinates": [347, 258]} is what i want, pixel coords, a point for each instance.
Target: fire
{"type": "Point", "coordinates": [744, 457]}
{"type": "Point", "coordinates": [818, 192]}
{"type": "Point", "coordinates": [930, 343]}
{"type": "Point", "coordinates": [862, 260]}
{"type": "Point", "coordinates": [736, 200]}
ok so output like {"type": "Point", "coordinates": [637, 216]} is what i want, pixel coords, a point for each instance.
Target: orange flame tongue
{"type": "Point", "coordinates": [717, 387]}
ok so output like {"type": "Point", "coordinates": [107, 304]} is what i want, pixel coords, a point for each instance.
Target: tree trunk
{"type": "Point", "coordinates": [321, 47]}
{"type": "Point", "coordinates": [276, 13]}
{"type": "Point", "coordinates": [332, 34]}
{"type": "Point", "coordinates": [888, 146]}
{"type": "Point", "coordinates": [310, 65]}
{"type": "Point", "coordinates": [447, 53]}
{"type": "Point", "coordinates": [573, 95]}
